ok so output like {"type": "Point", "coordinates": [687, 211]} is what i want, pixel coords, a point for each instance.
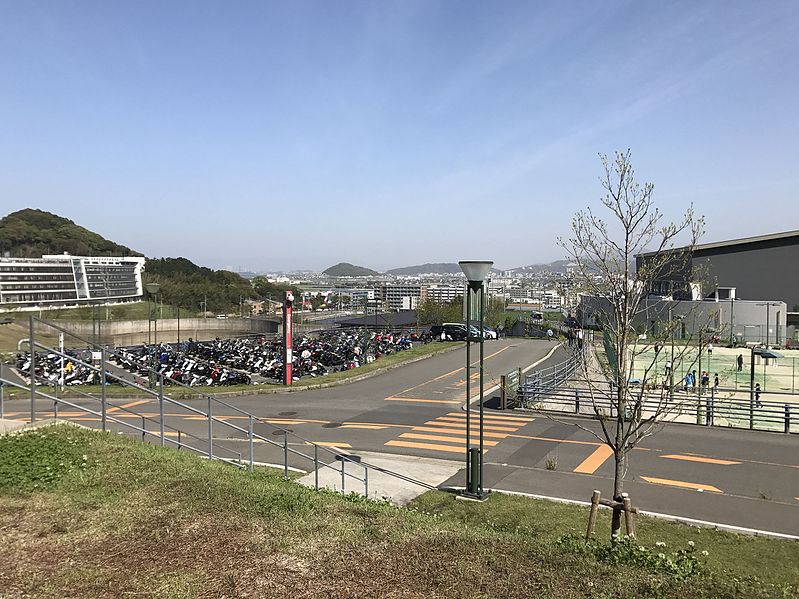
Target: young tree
{"type": "Point", "coordinates": [603, 252]}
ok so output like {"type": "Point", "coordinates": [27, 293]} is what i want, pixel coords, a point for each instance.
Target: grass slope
{"type": "Point", "coordinates": [86, 514]}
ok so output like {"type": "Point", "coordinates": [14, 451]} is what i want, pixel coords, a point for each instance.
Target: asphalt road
{"type": "Point", "coordinates": [734, 477]}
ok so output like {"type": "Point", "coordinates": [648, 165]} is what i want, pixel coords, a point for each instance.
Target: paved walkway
{"type": "Point", "coordinates": [383, 486]}
{"type": "Point", "coordinates": [8, 426]}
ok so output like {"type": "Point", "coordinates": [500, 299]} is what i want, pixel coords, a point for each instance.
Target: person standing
{"type": "Point", "coordinates": [709, 349]}
{"type": "Point", "coordinates": [740, 362]}
{"type": "Point", "coordinates": [757, 396]}
{"type": "Point", "coordinates": [716, 381]}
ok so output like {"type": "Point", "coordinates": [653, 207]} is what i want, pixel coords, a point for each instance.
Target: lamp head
{"type": "Point", "coordinates": [475, 270]}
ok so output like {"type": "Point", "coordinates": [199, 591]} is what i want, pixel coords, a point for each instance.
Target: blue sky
{"type": "Point", "coordinates": [299, 134]}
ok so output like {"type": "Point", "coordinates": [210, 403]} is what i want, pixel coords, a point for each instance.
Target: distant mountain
{"type": "Point", "coordinates": [345, 269]}
{"type": "Point", "coordinates": [556, 266]}
{"type": "Point", "coordinates": [31, 233]}
{"type": "Point", "coordinates": [439, 268]}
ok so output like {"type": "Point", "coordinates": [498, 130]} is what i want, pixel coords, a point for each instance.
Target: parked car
{"type": "Point", "coordinates": [489, 333]}
{"type": "Point", "coordinates": [453, 332]}
{"type": "Point", "coordinates": [474, 333]}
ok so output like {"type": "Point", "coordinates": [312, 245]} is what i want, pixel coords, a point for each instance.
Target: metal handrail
{"type": "Point", "coordinates": [545, 379]}
{"type": "Point", "coordinates": [132, 413]}
{"type": "Point", "coordinates": [707, 408]}
{"type": "Point", "coordinates": [209, 415]}
{"type": "Point", "coordinates": [142, 430]}
{"type": "Point", "coordinates": [205, 414]}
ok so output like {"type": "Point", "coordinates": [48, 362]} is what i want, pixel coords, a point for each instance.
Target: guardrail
{"type": "Point", "coordinates": [717, 407]}
{"type": "Point", "coordinates": [216, 414]}
{"type": "Point", "coordinates": [543, 381]}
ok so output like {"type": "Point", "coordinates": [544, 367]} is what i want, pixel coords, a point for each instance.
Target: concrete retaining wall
{"type": "Point", "coordinates": [131, 332]}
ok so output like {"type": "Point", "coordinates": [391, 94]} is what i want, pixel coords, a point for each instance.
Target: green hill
{"type": "Point", "coordinates": [440, 268]}
{"type": "Point", "coordinates": [31, 233]}
{"type": "Point", "coordinates": [345, 269]}
{"type": "Point", "coordinates": [185, 284]}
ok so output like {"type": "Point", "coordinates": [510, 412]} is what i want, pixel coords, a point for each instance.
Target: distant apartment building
{"type": "Point", "coordinates": [360, 297]}
{"type": "Point", "coordinates": [64, 280]}
{"type": "Point", "coordinates": [518, 294]}
{"type": "Point", "coordinates": [444, 293]}
{"type": "Point", "coordinates": [393, 294]}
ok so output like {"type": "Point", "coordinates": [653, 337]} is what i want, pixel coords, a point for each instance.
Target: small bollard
{"type": "Point", "coordinates": [592, 514]}
{"type": "Point", "coordinates": [629, 517]}
{"type": "Point", "coordinates": [576, 401]}
{"type": "Point", "coordinates": [787, 418]}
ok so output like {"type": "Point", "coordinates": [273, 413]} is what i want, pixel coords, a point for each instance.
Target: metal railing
{"type": "Point", "coordinates": [216, 414]}
{"type": "Point", "coordinates": [541, 382]}
{"type": "Point", "coordinates": [716, 407]}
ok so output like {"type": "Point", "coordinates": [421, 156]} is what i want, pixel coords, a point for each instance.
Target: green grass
{"type": "Point", "coordinates": [138, 520]}
{"type": "Point", "coordinates": [729, 554]}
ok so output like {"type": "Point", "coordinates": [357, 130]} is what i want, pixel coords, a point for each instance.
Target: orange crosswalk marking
{"type": "Point", "coordinates": [459, 440]}
{"type": "Point", "coordinates": [454, 422]}
{"type": "Point", "coordinates": [508, 419]}
{"type": "Point", "coordinates": [592, 463]}
{"type": "Point", "coordinates": [681, 484]}
{"type": "Point", "coordinates": [459, 431]}
{"type": "Point", "coordinates": [432, 446]}
{"type": "Point", "coordinates": [694, 458]}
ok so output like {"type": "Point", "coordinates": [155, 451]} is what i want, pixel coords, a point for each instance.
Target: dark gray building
{"type": "Point", "coordinates": [735, 322]}
{"type": "Point", "coordinates": [758, 268]}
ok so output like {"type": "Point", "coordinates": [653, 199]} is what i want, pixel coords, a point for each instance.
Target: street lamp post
{"type": "Point", "coordinates": [475, 271]}
{"type": "Point", "coordinates": [152, 291]}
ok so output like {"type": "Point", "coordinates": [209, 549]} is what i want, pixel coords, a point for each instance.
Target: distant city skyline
{"type": "Point", "coordinates": [292, 136]}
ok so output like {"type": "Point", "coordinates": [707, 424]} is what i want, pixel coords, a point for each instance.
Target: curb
{"type": "Point", "coordinates": [680, 519]}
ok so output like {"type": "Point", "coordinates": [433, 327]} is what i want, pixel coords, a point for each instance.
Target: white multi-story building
{"type": "Point", "coordinates": [63, 280]}
{"type": "Point", "coordinates": [392, 295]}
{"type": "Point", "coordinates": [444, 293]}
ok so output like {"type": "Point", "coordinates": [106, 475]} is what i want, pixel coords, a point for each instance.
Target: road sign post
{"type": "Point", "coordinates": [288, 305]}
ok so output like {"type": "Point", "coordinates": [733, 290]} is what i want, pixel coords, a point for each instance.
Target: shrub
{"type": "Point", "coordinates": [38, 459]}
{"type": "Point", "coordinates": [680, 564]}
